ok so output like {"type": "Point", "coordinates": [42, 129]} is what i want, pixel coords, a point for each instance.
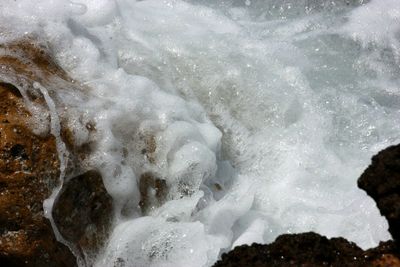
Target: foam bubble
{"type": "Point", "coordinates": [378, 22]}
{"type": "Point", "coordinates": [255, 119]}
{"type": "Point", "coordinates": [150, 241]}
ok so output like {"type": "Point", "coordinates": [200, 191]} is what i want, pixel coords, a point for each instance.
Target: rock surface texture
{"type": "Point", "coordinates": [310, 249]}
{"type": "Point", "coordinates": [30, 166]}
{"type": "Point", "coordinates": [29, 169]}
{"type": "Point", "coordinates": [381, 180]}
{"type": "Point", "coordinates": [81, 212]}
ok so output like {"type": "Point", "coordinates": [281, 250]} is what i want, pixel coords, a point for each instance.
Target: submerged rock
{"type": "Point", "coordinates": [153, 191]}
{"type": "Point", "coordinates": [82, 213]}
{"type": "Point", "coordinates": [29, 169]}
{"type": "Point", "coordinates": [381, 180]}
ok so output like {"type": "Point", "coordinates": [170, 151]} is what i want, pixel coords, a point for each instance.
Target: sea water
{"type": "Point", "coordinates": [262, 114]}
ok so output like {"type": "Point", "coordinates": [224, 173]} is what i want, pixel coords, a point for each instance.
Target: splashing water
{"type": "Point", "coordinates": [259, 116]}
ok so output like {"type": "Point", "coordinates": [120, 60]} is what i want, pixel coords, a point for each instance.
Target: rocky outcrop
{"type": "Point", "coordinates": [310, 249]}
{"type": "Point", "coordinates": [30, 166]}
{"type": "Point", "coordinates": [307, 249]}
{"type": "Point", "coordinates": [29, 169]}
{"type": "Point", "coordinates": [381, 180]}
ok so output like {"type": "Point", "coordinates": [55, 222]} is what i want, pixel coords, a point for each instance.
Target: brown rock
{"type": "Point", "coordinates": [82, 213]}
{"type": "Point", "coordinates": [29, 59]}
{"type": "Point", "coordinates": [386, 253]}
{"type": "Point", "coordinates": [386, 260]}
{"type": "Point", "coordinates": [29, 169]}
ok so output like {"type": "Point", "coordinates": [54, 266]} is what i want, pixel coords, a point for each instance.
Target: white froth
{"type": "Point", "coordinates": [263, 115]}
{"type": "Point", "coordinates": [378, 22]}
{"type": "Point", "coordinates": [55, 129]}
{"type": "Point", "coordinates": [150, 241]}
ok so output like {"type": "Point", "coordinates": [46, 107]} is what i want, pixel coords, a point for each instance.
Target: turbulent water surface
{"type": "Point", "coordinates": [260, 115]}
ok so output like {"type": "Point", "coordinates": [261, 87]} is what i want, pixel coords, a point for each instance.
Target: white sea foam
{"type": "Point", "coordinates": [263, 115]}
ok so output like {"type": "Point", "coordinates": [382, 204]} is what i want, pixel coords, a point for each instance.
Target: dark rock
{"type": "Point", "coordinates": [153, 191]}
{"type": "Point", "coordinates": [381, 180]}
{"type": "Point", "coordinates": [310, 249]}
{"type": "Point", "coordinates": [306, 249]}
{"type": "Point", "coordinates": [82, 213]}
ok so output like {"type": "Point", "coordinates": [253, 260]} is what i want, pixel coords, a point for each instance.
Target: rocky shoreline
{"type": "Point", "coordinates": [381, 180]}
{"type": "Point", "coordinates": [29, 171]}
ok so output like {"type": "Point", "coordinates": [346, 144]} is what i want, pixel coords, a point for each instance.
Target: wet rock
{"type": "Point", "coordinates": [310, 249]}
{"type": "Point", "coordinates": [386, 254]}
{"type": "Point", "coordinates": [82, 213]}
{"type": "Point", "coordinates": [306, 249]}
{"type": "Point", "coordinates": [381, 180]}
{"type": "Point", "coordinates": [28, 59]}
{"type": "Point", "coordinates": [29, 163]}
{"type": "Point", "coordinates": [153, 192]}
{"type": "Point", "coordinates": [386, 260]}
{"type": "Point", "coordinates": [29, 170]}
